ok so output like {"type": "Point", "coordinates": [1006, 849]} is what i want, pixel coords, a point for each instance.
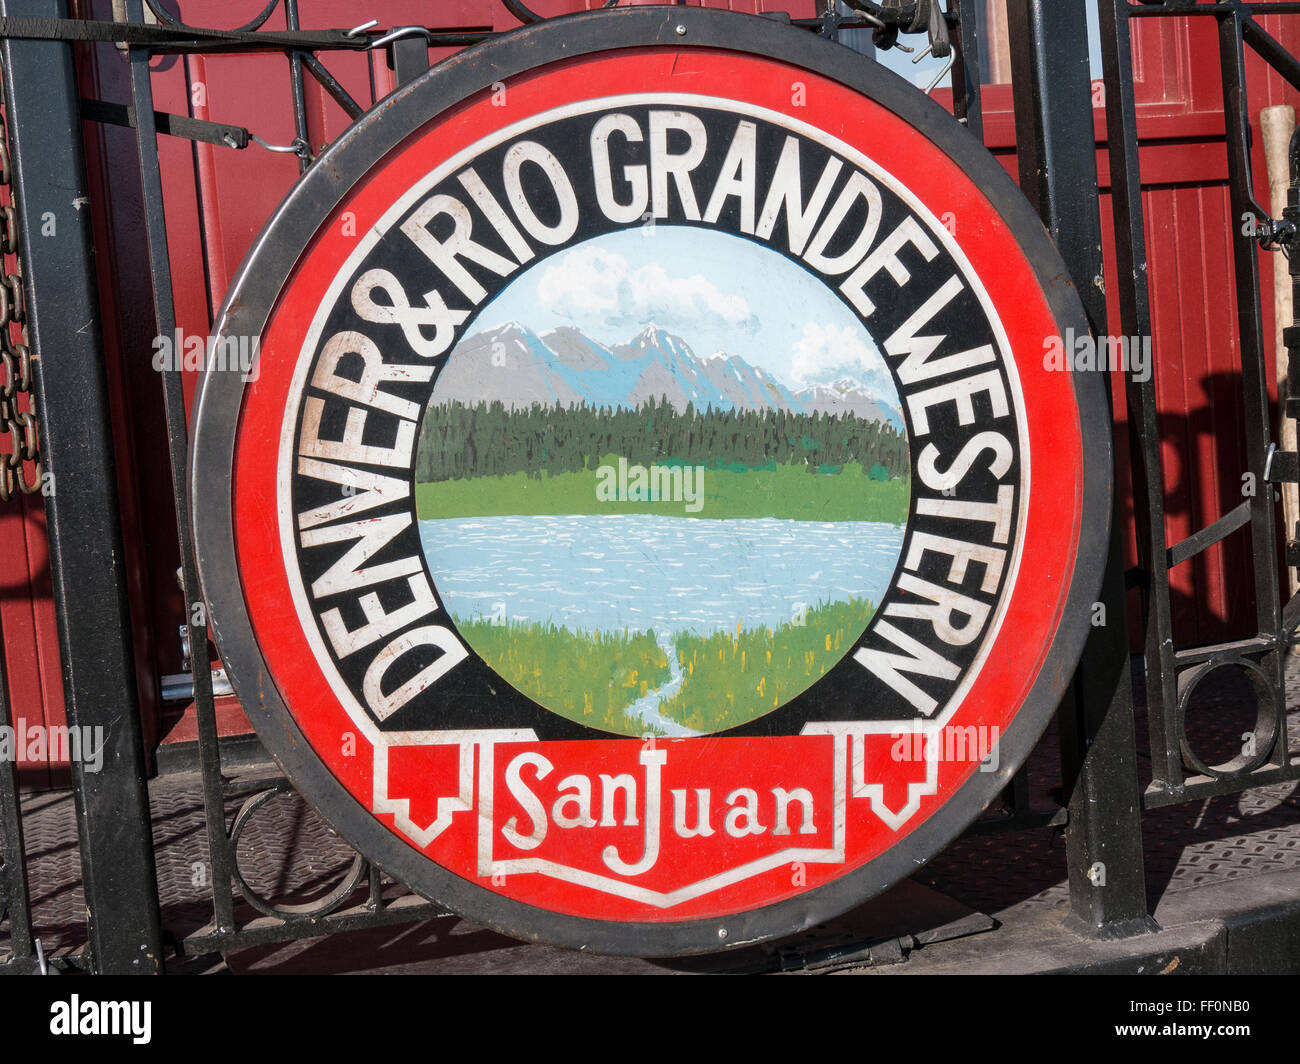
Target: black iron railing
{"type": "Point", "coordinates": [1102, 802]}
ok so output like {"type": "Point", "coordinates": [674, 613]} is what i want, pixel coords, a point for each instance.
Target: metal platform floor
{"type": "Point", "coordinates": [1018, 878]}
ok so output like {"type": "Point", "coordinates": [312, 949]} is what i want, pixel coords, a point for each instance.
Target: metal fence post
{"type": "Point", "coordinates": [82, 513]}
{"type": "Point", "coordinates": [1058, 173]}
{"type": "Point", "coordinates": [15, 897]}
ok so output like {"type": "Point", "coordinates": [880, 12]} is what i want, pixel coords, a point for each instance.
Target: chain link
{"type": "Point", "coordinates": [17, 422]}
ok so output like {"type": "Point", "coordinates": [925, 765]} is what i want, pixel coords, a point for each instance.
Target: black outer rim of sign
{"type": "Point", "coordinates": [258, 285]}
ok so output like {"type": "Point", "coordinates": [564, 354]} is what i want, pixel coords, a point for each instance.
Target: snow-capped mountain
{"type": "Point", "coordinates": [565, 367]}
{"type": "Point", "coordinates": [846, 396]}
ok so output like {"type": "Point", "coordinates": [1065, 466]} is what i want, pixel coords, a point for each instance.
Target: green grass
{"type": "Point", "coordinates": [588, 678]}
{"type": "Point", "coordinates": [731, 678]}
{"type": "Point", "coordinates": [790, 491]}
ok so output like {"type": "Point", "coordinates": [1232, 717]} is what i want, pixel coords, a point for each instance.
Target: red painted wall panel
{"type": "Point", "coordinates": [27, 622]}
{"type": "Point", "coordinates": [217, 199]}
{"type": "Point", "coordinates": [1189, 235]}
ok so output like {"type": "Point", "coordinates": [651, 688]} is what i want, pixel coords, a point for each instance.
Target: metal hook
{"type": "Point", "coordinates": [394, 34]}
{"type": "Point", "coordinates": [398, 32]}
{"type": "Point", "coordinates": [942, 74]}
{"type": "Point", "coordinates": [904, 47]}
{"type": "Point", "coordinates": [297, 146]}
{"type": "Point", "coordinates": [946, 67]}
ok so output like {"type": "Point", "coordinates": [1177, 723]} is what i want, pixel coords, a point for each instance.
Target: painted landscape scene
{"type": "Point", "coordinates": [643, 538]}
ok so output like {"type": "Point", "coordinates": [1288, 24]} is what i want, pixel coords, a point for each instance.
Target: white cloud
{"type": "Point", "coordinates": [825, 353]}
{"type": "Point", "coordinates": [598, 290]}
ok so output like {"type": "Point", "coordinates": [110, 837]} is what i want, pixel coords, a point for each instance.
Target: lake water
{"type": "Point", "coordinates": [641, 572]}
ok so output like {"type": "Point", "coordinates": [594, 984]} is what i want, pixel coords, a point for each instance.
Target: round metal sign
{"type": "Point", "coordinates": [661, 513]}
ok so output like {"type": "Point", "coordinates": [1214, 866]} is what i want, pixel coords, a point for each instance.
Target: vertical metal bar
{"type": "Point", "coordinates": [967, 72]}
{"type": "Point", "coordinates": [1245, 261]}
{"type": "Point", "coordinates": [1054, 137]}
{"type": "Point", "coordinates": [1019, 794]}
{"type": "Point", "coordinates": [296, 88]}
{"type": "Point", "coordinates": [177, 447]}
{"type": "Point", "coordinates": [16, 898]}
{"type": "Point", "coordinates": [1058, 172]}
{"type": "Point", "coordinates": [1144, 431]}
{"type": "Point", "coordinates": [82, 513]}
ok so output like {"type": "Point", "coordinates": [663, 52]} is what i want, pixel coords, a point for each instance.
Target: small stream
{"type": "Point", "coordinates": [647, 706]}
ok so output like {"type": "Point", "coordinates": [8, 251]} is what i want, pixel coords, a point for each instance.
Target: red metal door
{"type": "Point", "coordinates": [217, 199]}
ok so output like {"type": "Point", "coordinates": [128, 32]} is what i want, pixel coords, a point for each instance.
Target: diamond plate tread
{"type": "Point", "coordinates": [1185, 846]}
{"type": "Point", "coordinates": [288, 853]}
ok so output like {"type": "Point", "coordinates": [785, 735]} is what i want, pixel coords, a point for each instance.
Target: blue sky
{"type": "Point", "coordinates": [716, 291]}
